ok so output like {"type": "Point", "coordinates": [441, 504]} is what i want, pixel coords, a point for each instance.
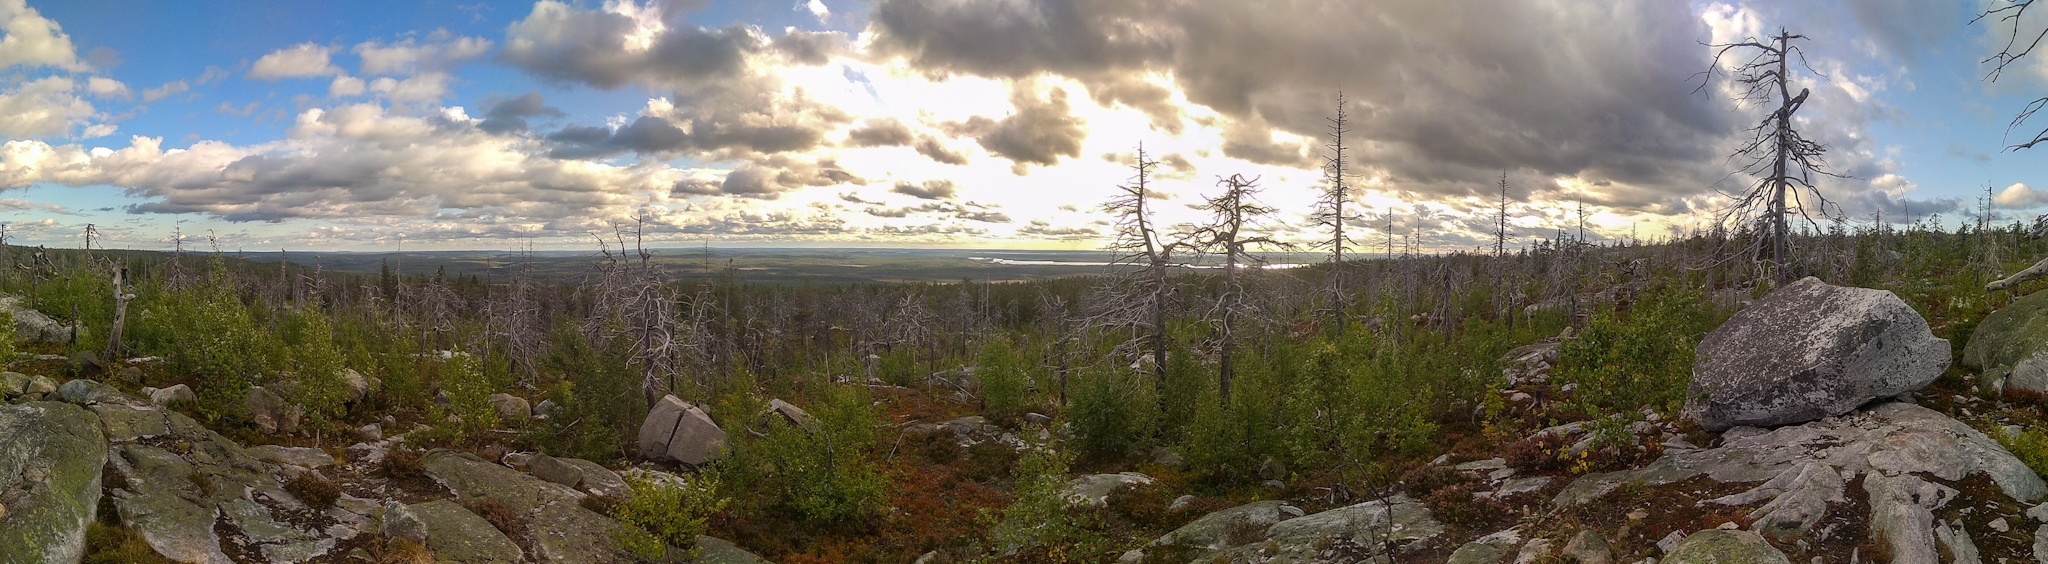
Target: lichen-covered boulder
{"type": "Point", "coordinates": [35, 326]}
{"type": "Point", "coordinates": [513, 410]}
{"type": "Point", "coordinates": [1811, 350]}
{"type": "Point", "coordinates": [676, 430]}
{"type": "Point", "coordinates": [51, 455]}
{"type": "Point", "coordinates": [2010, 347]}
{"type": "Point", "coordinates": [457, 535]}
{"type": "Point", "coordinates": [1720, 546]}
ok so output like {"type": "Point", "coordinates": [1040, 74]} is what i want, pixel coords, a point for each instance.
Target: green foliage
{"type": "Point", "coordinates": [1041, 520]}
{"type": "Point", "coordinates": [114, 544]}
{"type": "Point", "coordinates": [2030, 446]}
{"type": "Point", "coordinates": [899, 366]}
{"type": "Point", "coordinates": [599, 398]}
{"type": "Point", "coordinates": [1000, 371]}
{"type": "Point", "coordinates": [206, 333]}
{"type": "Point", "coordinates": [7, 348]}
{"type": "Point", "coordinates": [1622, 362]}
{"type": "Point", "coordinates": [828, 477]}
{"type": "Point", "coordinates": [659, 514]}
{"type": "Point", "coordinates": [316, 365]}
{"type": "Point", "coordinates": [469, 397]}
{"type": "Point", "coordinates": [1113, 412]}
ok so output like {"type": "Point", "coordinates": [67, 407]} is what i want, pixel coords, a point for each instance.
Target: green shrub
{"type": "Point", "coordinates": [1041, 521]}
{"type": "Point", "coordinates": [827, 477]}
{"type": "Point", "coordinates": [207, 333]}
{"type": "Point", "coordinates": [1000, 371]}
{"type": "Point", "coordinates": [1113, 412]}
{"type": "Point", "coordinates": [599, 398]}
{"type": "Point", "coordinates": [1623, 362]}
{"type": "Point", "coordinates": [316, 365]}
{"type": "Point", "coordinates": [659, 514]}
{"type": "Point", "coordinates": [469, 397]}
{"type": "Point", "coordinates": [899, 366]}
{"type": "Point", "coordinates": [2029, 445]}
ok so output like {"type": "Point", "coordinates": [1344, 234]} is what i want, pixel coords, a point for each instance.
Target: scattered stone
{"type": "Point", "coordinates": [1811, 350]}
{"type": "Point", "coordinates": [39, 386]}
{"type": "Point", "coordinates": [1092, 490]}
{"type": "Point", "coordinates": [51, 456]}
{"type": "Point", "coordinates": [1588, 547]}
{"type": "Point", "coordinates": [513, 410]}
{"type": "Point", "coordinates": [372, 432]}
{"type": "Point", "coordinates": [1211, 533]}
{"type": "Point", "coordinates": [1999, 525]}
{"type": "Point", "coordinates": [457, 535]}
{"type": "Point", "coordinates": [129, 375]}
{"type": "Point", "coordinates": [358, 386]}
{"type": "Point", "coordinates": [554, 470]}
{"type": "Point", "coordinates": [83, 392]}
{"type": "Point", "coordinates": [1720, 546]}
{"type": "Point", "coordinates": [1489, 549]}
{"type": "Point", "coordinates": [544, 408]}
{"type": "Point", "coordinates": [1179, 503]}
{"type": "Point", "coordinates": [1036, 418]}
{"type": "Point", "coordinates": [1670, 542]}
{"type": "Point", "coordinates": [598, 480]}
{"type": "Point", "coordinates": [124, 423]}
{"type": "Point", "coordinates": [2007, 347]}
{"type": "Point", "coordinates": [1373, 525]}
{"type": "Point", "coordinates": [12, 384]}
{"type": "Point", "coordinates": [793, 415]}
{"type": "Point", "coordinates": [270, 412]}
{"type": "Point", "coordinates": [399, 522]}
{"type": "Point", "coordinates": [175, 395]}
{"type": "Point", "coordinates": [679, 431]}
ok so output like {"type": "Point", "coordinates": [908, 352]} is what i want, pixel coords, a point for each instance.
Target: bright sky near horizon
{"type": "Point", "coordinates": [955, 123]}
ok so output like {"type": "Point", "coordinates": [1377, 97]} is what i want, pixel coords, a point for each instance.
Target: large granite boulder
{"type": "Point", "coordinates": [1811, 350]}
{"type": "Point", "coordinates": [35, 326]}
{"type": "Point", "coordinates": [1092, 490]}
{"type": "Point", "coordinates": [2010, 347]}
{"type": "Point", "coordinates": [51, 455]}
{"type": "Point", "coordinates": [676, 430]}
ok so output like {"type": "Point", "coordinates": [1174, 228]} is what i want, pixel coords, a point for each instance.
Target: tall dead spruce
{"type": "Point", "coordinates": [1783, 161]}
{"type": "Point", "coordinates": [1137, 301]}
{"type": "Point", "coordinates": [1329, 212]}
{"type": "Point", "coordinates": [2019, 43]}
{"type": "Point", "coordinates": [1231, 233]}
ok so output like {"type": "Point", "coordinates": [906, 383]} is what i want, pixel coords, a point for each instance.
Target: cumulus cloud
{"type": "Point", "coordinates": [2020, 196]}
{"type": "Point", "coordinates": [1039, 132]}
{"type": "Point", "coordinates": [166, 90]}
{"type": "Point", "coordinates": [931, 148]}
{"type": "Point", "coordinates": [297, 61]}
{"type": "Point", "coordinates": [345, 85]}
{"type": "Point", "coordinates": [42, 107]}
{"type": "Point", "coordinates": [929, 190]}
{"type": "Point", "coordinates": [442, 51]}
{"type": "Point", "coordinates": [624, 43]}
{"type": "Point", "coordinates": [31, 40]}
{"type": "Point", "coordinates": [106, 88]}
{"type": "Point", "coordinates": [880, 133]}
{"type": "Point", "coordinates": [422, 88]}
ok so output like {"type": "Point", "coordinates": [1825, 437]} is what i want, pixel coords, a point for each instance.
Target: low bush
{"type": "Point", "coordinates": [1623, 361]}
{"type": "Point", "coordinates": [501, 517]}
{"type": "Point", "coordinates": [659, 514]}
{"type": "Point", "coordinates": [1000, 372]}
{"type": "Point", "coordinates": [313, 489]}
{"type": "Point", "coordinates": [1113, 413]}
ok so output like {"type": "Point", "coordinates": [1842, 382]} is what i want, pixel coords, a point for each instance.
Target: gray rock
{"type": "Point", "coordinates": [457, 535]}
{"type": "Point", "coordinates": [1179, 503]}
{"type": "Point", "coordinates": [1961, 549]}
{"type": "Point", "coordinates": [554, 470]}
{"type": "Point", "coordinates": [124, 423]}
{"type": "Point", "coordinates": [544, 408]}
{"type": "Point", "coordinates": [270, 412]}
{"type": "Point", "coordinates": [1092, 490]}
{"type": "Point", "coordinates": [513, 410]}
{"type": "Point", "coordinates": [303, 457]}
{"type": "Point", "coordinates": [1902, 513]}
{"type": "Point", "coordinates": [372, 432]}
{"type": "Point", "coordinates": [175, 395]}
{"type": "Point", "coordinates": [675, 430]}
{"type": "Point", "coordinates": [51, 455]}
{"type": "Point", "coordinates": [714, 550]}
{"type": "Point", "coordinates": [83, 392]}
{"type": "Point", "coordinates": [34, 326]}
{"type": "Point", "coordinates": [793, 415]}
{"type": "Point", "coordinates": [1489, 549]}
{"type": "Point", "coordinates": [597, 479]}
{"type": "Point", "coordinates": [1166, 457]}
{"type": "Point", "coordinates": [39, 386]}
{"type": "Point", "coordinates": [1720, 546]}
{"type": "Point", "coordinates": [1536, 550]}
{"type": "Point", "coordinates": [399, 522]}
{"type": "Point", "coordinates": [1398, 521]}
{"type": "Point", "coordinates": [12, 384]}
{"type": "Point", "coordinates": [2011, 345]}
{"type": "Point", "coordinates": [358, 386]}
{"type": "Point", "coordinates": [1211, 533]}
{"type": "Point", "coordinates": [1588, 547]}
{"type": "Point", "coordinates": [1811, 350]}
{"type": "Point", "coordinates": [1036, 418]}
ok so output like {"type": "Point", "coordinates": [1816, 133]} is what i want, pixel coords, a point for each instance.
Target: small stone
{"type": "Point", "coordinates": [38, 386]}
{"type": "Point", "coordinates": [1180, 503]}
{"type": "Point", "coordinates": [1521, 397]}
{"type": "Point", "coordinates": [1670, 542]}
{"type": "Point", "coordinates": [545, 407]}
{"type": "Point", "coordinates": [1533, 552]}
{"type": "Point", "coordinates": [513, 410]}
{"type": "Point", "coordinates": [518, 460]}
{"type": "Point", "coordinates": [1035, 418]}
{"type": "Point", "coordinates": [131, 375]}
{"type": "Point", "coordinates": [1999, 525]}
{"type": "Point", "coordinates": [1588, 547]}
{"type": "Point", "coordinates": [1275, 484]}
{"type": "Point", "coordinates": [554, 470]}
{"type": "Point", "coordinates": [371, 432]}
{"type": "Point", "coordinates": [1292, 511]}
{"type": "Point", "coordinates": [1729, 526]}
{"type": "Point", "coordinates": [179, 394]}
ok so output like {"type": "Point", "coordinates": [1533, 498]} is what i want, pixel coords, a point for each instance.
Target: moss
{"type": "Point", "coordinates": [2008, 335]}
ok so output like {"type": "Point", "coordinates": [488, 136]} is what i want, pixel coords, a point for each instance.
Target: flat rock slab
{"type": "Point", "coordinates": [1399, 521]}
{"type": "Point", "coordinates": [303, 457]}
{"type": "Point", "coordinates": [472, 477]}
{"type": "Point", "coordinates": [457, 535]}
{"type": "Point", "coordinates": [1811, 350]}
{"type": "Point", "coordinates": [1717, 546]}
{"type": "Point", "coordinates": [51, 456]}
{"type": "Point", "coordinates": [125, 423]}
{"type": "Point", "coordinates": [1092, 490]}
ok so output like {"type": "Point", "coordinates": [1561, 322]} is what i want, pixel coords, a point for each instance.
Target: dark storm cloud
{"type": "Point", "coordinates": [1449, 92]}
{"type": "Point", "coordinates": [929, 190]}
{"type": "Point", "coordinates": [509, 115]}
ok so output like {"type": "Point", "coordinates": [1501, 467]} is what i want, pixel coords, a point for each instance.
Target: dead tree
{"type": "Point", "coordinates": [2019, 43]}
{"type": "Point", "coordinates": [1229, 234]}
{"type": "Point", "coordinates": [1329, 212]}
{"type": "Point", "coordinates": [1138, 301]}
{"type": "Point", "coordinates": [1783, 161]}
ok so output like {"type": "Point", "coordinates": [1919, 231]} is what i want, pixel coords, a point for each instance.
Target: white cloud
{"type": "Point", "coordinates": [817, 9]}
{"type": "Point", "coordinates": [297, 61]}
{"type": "Point", "coordinates": [441, 52]}
{"type": "Point", "coordinates": [97, 130]}
{"type": "Point", "coordinates": [106, 88]}
{"type": "Point", "coordinates": [2020, 196]}
{"type": "Point", "coordinates": [425, 88]}
{"type": "Point", "coordinates": [42, 107]}
{"type": "Point", "coordinates": [345, 85]}
{"type": "Point", "coordinates": [33, 40]}
{"type": "Point", "coordinates": [168, 89]}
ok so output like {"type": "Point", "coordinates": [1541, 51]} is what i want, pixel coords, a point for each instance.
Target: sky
{"type": "Point", "coordinates": [438, 124]}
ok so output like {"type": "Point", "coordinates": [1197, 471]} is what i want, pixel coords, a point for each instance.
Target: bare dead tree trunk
{"type": "Point", "coordinates": [1775, 147]}
{"type": "Point", "coordinates": [121, 299]}
{"type": "Point", "coordinates": [1232, 212]}
{"type": "Point", "coordinates": [1329, 212]}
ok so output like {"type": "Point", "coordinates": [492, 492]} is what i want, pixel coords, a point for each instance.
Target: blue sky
{"type": "Point", "coordinates": [936, 123]}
